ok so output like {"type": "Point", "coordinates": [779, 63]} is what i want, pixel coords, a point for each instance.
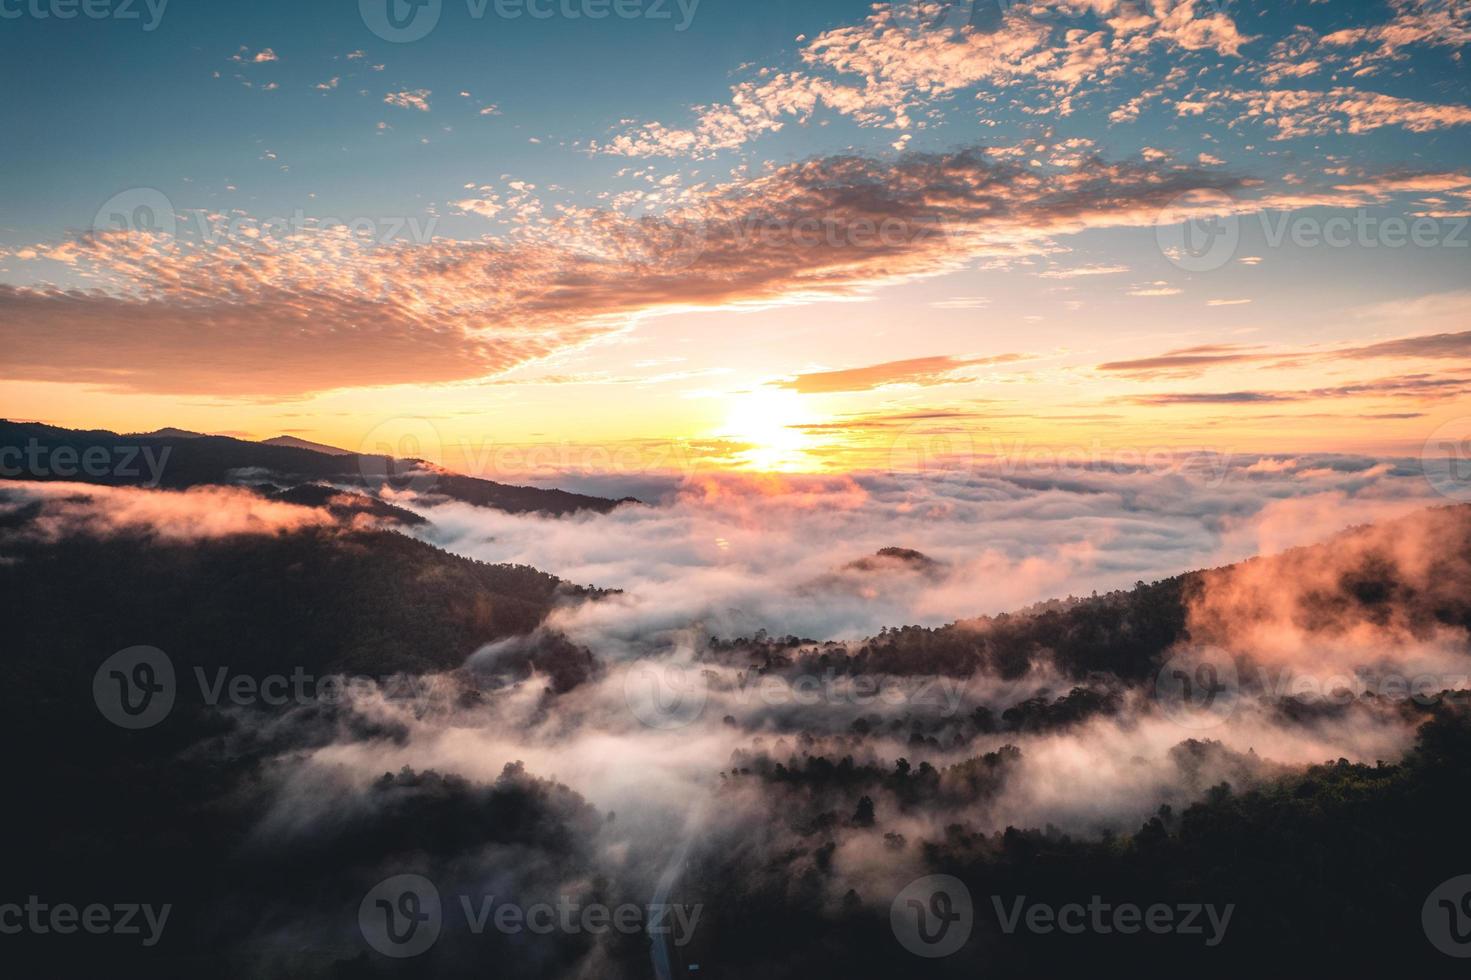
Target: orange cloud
{"type": "Point", "coordinates": [322, 308]}
{"type": "Point", "coordinates": [201, 512]}
{"type": "Point", "coordinates": [911, 371]}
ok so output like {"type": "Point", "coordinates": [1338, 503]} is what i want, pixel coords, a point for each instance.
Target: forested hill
{"type": "Point", "coordinates": [1356, 576]}
{"type": "Point", "coordinates": [173, 459]}
{"type": "Point", "coordinates": [323, 599]}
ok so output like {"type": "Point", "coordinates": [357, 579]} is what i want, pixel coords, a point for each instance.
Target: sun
{"type": "Point", "coordinates": [769, 422]}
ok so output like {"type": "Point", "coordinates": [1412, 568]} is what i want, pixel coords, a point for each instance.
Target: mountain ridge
{"type": "Point", "coordinates": [189, 460]}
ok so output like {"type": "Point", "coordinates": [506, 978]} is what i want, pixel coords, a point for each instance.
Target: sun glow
{"type": "Point", "coordinates": [768, 422]}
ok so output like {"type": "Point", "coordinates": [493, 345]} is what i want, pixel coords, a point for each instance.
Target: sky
{"type": "Point", "coordinates": [827, 236]}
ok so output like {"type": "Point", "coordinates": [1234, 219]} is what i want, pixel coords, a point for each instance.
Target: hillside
{"type": "Point", "coordinates": [367, 602]}
{"type": "Point", "coordinates": [177, 460]}
{"type": "Point", "coordinates": [1353, 577]}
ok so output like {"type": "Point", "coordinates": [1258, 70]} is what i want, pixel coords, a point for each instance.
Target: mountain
{"type": "Point", "coordinates": [295, 443]}
{"type": "Point", "coordinates": [325, 599]}
{"type": "Point", "coordinates": [31, 451]}
{"type": "Point", "coordinates": [344, 504]}
{"type": "Point", "coordinates": [1356, 577]}
{"type": "Point", "coordinates": [264, 823]}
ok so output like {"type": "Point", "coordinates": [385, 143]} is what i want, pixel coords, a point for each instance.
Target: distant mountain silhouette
{"type": "Point", "coordinates": [295, 443]}
{"type": "Point", "coordinates": [188, 459]}
{"type": "Point", "coordinates": [168, 432]}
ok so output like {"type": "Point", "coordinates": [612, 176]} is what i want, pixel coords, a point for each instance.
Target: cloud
{"type": "Point", "coordinates": [962, 303]}
{"type": "Point", "coordinates": [1018, 526]}
{"type": "Point", "coordinates": [912, 371]}
{"type": "Point", "coordinates": [1212, 398]}
{"type": "Point", "coordinates": [1194, 361]}
{"type": "Point", "coordinates": [1440, 345]}
{"type": "Point", "coordinates": [1294, 113]}
{"type": "Point", "coordinates": [1076, 272]}
{"type": "Point", "coordinates": [1158, 288]}
{"type": "Point", "coordinates": [198, 513]}
{"type": "Point", "coordinates": [1288, 609]}
{"type": "Point", "coordinates": [1405, 386]}
{"type": "Point", "coordinates": [415, 99]}
{"type": "Point", "coordinates": [326, 308]}
{"type": "Point", "coordinates": [1184, 362]}
{"type": "Point", "coordinates": [729, 555]}
{"type": "Point", "coordinates": [1366, 49]}
{"type": "Point", "coordinates": [894, 64]}
{"type": "Point", "coordinates": [261, 57]}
